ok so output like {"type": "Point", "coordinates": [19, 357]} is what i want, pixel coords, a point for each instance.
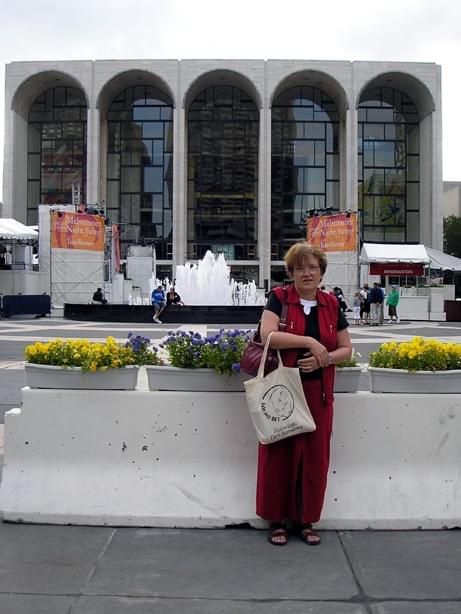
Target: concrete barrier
{"type": "Point", "coordinates": [189, 460]}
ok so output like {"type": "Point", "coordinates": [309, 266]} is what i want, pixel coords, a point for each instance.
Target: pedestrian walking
{"type": "Point", "coordinates": [376, 300]}
{"type": "Point", "coordinates": [365, 304]}
{"type": "Point", "coordinates": [381, 306]}
{"type": "Point", "coordinates": [356, 306]}
{"type": "Point", "coordinates": [392, 302]}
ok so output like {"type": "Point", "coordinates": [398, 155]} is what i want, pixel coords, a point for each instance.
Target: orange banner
{"type": "Point", "coordinates": [77, 231]}
{"type": "Point", "coordinates": [333, 233]}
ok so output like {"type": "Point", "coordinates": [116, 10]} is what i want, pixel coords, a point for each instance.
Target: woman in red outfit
{"type": "Point", "coordinates": [292, 473]}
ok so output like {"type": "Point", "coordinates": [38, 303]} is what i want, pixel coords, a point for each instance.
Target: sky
{"type": "Point", "coordinates": [388, 30]}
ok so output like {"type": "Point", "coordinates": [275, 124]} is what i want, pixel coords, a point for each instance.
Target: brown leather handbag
{"type": "Point", "coordinates": [254, 350]}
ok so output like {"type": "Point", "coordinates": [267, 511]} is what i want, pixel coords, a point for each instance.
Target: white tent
{"type": "Point", "coordinates": [15, 231]}
{"type": "Point", "coordinates": [393, 252]}
{"type": "Point", "coordinates": [397, 252]}
{"type": "Point", "coordinates": [439, 260]}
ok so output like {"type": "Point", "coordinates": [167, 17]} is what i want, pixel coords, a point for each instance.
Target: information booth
{"type": "Point", "coordinates": [403, 266]}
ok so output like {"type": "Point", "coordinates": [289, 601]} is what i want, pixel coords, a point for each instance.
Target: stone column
{"type": "Point", "coordinates": [426, 174]}
{"type": "Point", "coordinates": [264, 195]}
{"type": "Point", "coordinates": [179, 187]}
{"type": "Point", "coordinates": [348, 193]}
{"type": "Point", "coordinates": [93, 157]}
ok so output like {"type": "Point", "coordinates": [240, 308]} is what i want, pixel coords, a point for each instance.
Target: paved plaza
{"type": "Point", "coordinates": [97, 570]}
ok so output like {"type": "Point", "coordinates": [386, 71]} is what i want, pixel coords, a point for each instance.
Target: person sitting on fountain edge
{"type": "Point", "coordinates": [173, 298]}
{"type": "Point", "coordinates": [98, 297]}
{"type": "Point", "coordinates": [158, 302]}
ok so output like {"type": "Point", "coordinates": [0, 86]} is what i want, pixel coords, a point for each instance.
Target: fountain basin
{"type": "Point", "coordinates": [187, 314]}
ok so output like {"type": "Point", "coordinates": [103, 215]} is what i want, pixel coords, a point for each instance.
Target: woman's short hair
{"type": "Point", "coordinates": [299, 251]}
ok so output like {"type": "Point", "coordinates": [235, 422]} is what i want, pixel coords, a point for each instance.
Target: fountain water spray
{"type": "Point", "coordinates": [209, 283]}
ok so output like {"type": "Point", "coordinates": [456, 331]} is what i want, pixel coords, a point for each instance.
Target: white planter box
{"type": "Point", "coordinates": [73, 378]}
{"type": "Point", "coordinates": [193, 380]}
{"type": "Point", "coordinates": [347, 379]}
{"type": "Point", "coordinates": [424, 382]}
{"type": "Point", "coordinates": [449, 292]}
{"type": "Point", "coordinates": [413, 308]}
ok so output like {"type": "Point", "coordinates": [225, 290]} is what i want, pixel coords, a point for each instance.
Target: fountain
{"type": "Point", "coordinates": [209, 283]}
{"type": "Point", "coordinates": [209, 293]}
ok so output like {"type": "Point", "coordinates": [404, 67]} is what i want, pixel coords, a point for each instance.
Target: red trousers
{"type": "Point", "coordinates": [292, 473]}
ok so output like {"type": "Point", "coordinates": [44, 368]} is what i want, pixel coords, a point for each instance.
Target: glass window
{"type": "Point", "coordinates": [332, 195]}
{"type": "Point", "coordinates": [130, 179]}
{"type": "Point", "coordinates": [373, 234]}
{"type": "Point", "coordinates": [152, 130]}
{"type": "Point", "coordinates": [413, 196]}
{"type": "Point", "coordinates": [394, 182]}
{"type": "Point", "coordinates": [113, 194]}
{"type": "Point", "coordinates": [305, 161]}
{"type": "Point", "coordinates": [319, 153]}
{"type": "Point", "coordinates": [413, 168]}
{"type": "Point", "coordinates": [146, 113]}
{"type": "Point", "coordinates": [388, 158]}
{"type": "Point", "coordinates": [34, 138]}
{"type": "Point", "coordinates": [390, 132]}
{"type": "Point", "coordinates": [153, 179]}
{"type": "Point", "coordinates": [113, 166]}
{"type": "Point", "coordinates": [314, 130]}
{"type": "Point", "coordinates": [332, 161]}
{"type": "Point", "coordinates": [395, 235]}
{"type": "Point", "coordinates": [315, 180]}
{"type": "Point", "coordinates": [368, 153]}
{"type": "Point", "coordinates": [413, 226]}
{"type": "Point", "coordinates": [56, 148]}
{"type": "Point", "coordinates": [140, 144]}
{"type": "Point", "coordinates": [223, 129]}
{"type": "Point", "coordinates": [33, 170]}
{"type": "Point", "coordinates": [373, 181]}
{"type": "Point", "coordinates": [384, 153]}
{"type": "Point", "coordinates": [368, 207]}
{"type": "Point", "coordinates": [373, 131]}
{"type": "Point", "coordinates": [33, 196]}
{"type": "Point", "coordinates": [412, 137]}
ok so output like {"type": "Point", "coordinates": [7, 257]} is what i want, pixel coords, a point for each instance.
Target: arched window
{"type": "Point", "coordinates": [223, 125]}
{"type": "Point", "coordinates": [305, 162]}
{"type": "Point", "coordinates": [140, 167]}
{"type": "Point", "coordinates": [388, 167]}
{"type": "Point", "coordinates": [56, 149]}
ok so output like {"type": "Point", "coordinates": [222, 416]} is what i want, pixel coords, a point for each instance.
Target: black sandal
{"type": "Point", "coordinates": [277, 530]}
{"type": "Point", "coordinates": [308, 536]}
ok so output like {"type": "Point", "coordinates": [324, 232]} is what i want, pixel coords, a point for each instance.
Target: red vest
{"type": "Point", "coordinates": [327, 306]}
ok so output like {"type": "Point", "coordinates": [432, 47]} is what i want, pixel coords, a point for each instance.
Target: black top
{"type": "Point", "coordinates": [173, 301]}
{"type": "Point", "coordinates": [98, 296]}
{"type": "Point", "coordinates": [311, 329]}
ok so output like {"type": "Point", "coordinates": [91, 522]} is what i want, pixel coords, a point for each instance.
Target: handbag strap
{"type": "Point", "coordinates": [282, 321]}
{"type": "Point", "coordinates": [263, 359]}
{"type": "Point", "coordinates": [283, 315]}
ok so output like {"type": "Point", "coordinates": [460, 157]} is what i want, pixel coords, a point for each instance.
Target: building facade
{"type": "Point", "coordinates": [452, 198]}
{"type": "Point", "coordinates": [228, 155]}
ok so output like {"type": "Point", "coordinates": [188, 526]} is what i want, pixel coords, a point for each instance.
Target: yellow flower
{"type": "Point", "coordinates": [426, 354]}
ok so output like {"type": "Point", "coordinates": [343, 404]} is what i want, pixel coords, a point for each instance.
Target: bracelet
{"type": "Point", "coordinates": [330, 359]}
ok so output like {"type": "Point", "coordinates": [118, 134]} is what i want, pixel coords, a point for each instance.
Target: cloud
{"type": "Point", "coordinates": [414, 30]}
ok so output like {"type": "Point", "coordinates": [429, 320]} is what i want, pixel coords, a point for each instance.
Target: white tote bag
{"type": "Point", "coordinates": [277, 405]}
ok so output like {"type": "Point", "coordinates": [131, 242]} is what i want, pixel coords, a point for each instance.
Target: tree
{"type": "Point", "coordinates": [452, 235]}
